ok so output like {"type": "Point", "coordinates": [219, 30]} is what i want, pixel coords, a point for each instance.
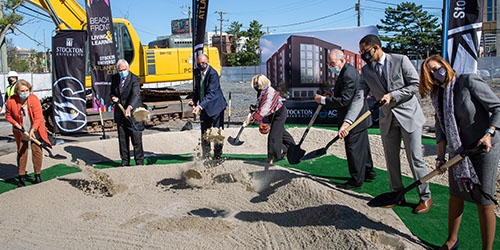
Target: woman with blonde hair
{"type": "Point", "coordinates": [269, 105]}
{"type": "Point", "coordinates": [467, 114]}
{"type": "Point", "coordinates": [24, 111]}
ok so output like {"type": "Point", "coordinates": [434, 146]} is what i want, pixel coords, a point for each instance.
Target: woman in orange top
{"type": "Point", "coordinates": [24, 111]}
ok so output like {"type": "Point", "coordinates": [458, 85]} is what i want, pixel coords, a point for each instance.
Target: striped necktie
{"type": "Point", "coordinates": [202, 86]}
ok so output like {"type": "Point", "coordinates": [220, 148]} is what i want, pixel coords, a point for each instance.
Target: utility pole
{"type": "Point", "coordinates": [221, 20]}
{"type": "Point", "coordinates": [357, 7]}
{"type": "Point", "coordinates": [3, 47]}
{"type": "Point", "coordinates": [189, 16]}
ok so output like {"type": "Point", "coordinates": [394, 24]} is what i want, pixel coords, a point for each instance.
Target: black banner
{"type": "Point", "coordinates": [68, 89]}
{"type": "Point", "coordinates": [102, 51]}
{"type": "Point", "coordinates": [463, 22]}
{"type": "Point", "coordinates": [301, 112]}
{"type": "Point", "coordinates": [199, 24]}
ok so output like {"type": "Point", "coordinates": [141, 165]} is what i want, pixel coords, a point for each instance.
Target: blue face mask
{"type": "Point", "coordinates": [335, 70]}
{"type": "Point", "coordinates": [24, 96]}
{"type": "Point", "coordinates": [124, 74]}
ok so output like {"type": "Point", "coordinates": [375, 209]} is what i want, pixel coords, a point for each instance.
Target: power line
{"type": "Point", "coordinates": [37, 17]}
{"type": "Point", "coordinates": [36, 11]}
{"type": "Point", "coordinates": [393, 4]}
{"type": "Point", "coordinates": [312, 20]}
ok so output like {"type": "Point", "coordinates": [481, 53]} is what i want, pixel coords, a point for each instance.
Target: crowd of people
{"type": "Point", "coordinates": [390, 78]}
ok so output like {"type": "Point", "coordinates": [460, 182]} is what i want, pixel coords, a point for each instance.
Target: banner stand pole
{"type": "Point", "coordinates": [104, 136]}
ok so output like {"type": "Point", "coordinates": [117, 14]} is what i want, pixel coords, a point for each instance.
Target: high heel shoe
{"type": "Point", "coordinates": [454, 247]}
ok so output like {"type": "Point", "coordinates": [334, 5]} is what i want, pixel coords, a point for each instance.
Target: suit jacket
{"type": "Point", "coordinates": [214, 102]}
{"type": "Point", "coordinates": [474, 101]}
{"type": "Point", "coordinates": [129, 96]}
{"type": "Point", "coordinates": [344, 92]}
{"type": "Point", "coordinates": [13, 115]}
{"type": "Point", "coordinates": [401, 80]}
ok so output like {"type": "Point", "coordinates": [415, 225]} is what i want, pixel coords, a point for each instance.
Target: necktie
{"type": "Point", "coordinates": [202, 86]}
{"type": "Point", "coordinates": [122, 84]}
{"type": "Point", "coordinates": [380, 71]}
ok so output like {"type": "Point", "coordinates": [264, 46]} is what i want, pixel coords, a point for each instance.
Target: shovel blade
{"type": "Point", "coordinates": [386, 199]}
{"type": "Point", "coordinates": [234, 141]}
{"type": "Point", "coordinates": [294, 154]}
{"type": "Point", "coordinates": [314, 154]}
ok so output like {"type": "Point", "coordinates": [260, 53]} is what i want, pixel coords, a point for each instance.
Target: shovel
{"type": "Point", "coordinates": [395, 197]}
{"type": "Point", "coordinates": [236, 141]}
{"type": "Point", "coordinates": [42, 144]}
{"type": "Point", "coordinates": [322, 151]}
{"type": "Point", "coordinates": [132, 121]}
{"type": "Point", "coordinates": [295, 153]}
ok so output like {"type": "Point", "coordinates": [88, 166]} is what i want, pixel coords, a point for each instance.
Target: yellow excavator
{"type": "Point", "coordinates": [152, 65]}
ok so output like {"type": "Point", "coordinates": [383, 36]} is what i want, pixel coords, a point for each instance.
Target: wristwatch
{"type": "Point", "coordinates": [491, 132]}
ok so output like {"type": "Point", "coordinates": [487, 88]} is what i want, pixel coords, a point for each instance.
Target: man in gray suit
{"type": "Point", "coordinates": [392, 77]}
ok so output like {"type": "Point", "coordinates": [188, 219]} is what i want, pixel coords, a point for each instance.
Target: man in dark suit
{"type": "Point", "coordinates": [209, 103]}
{"type": "Point", "coordinates": [392, 77]}
{"type": "Point", "coordinates": [125, 89]}
{"type": "Point", "coordinates": [357, 145]}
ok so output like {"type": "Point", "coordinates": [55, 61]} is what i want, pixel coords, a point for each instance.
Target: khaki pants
{"type": "Point", "coordinates": [22, 157]}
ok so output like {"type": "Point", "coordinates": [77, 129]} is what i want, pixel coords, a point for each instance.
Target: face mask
{"type": "Point", "coordinates": [24, 96]}
{"type": "Point", "coordinates": [440, 75]}
{"type": "Point", "coordinates": [124, 74]}
{"type": "Point", "coordinates": [367, 56]}
{"type": "Point", "coordinates": [12, 81]}
{"type": "Point", "coordinates": [202, 66]}
{"type": "Point", "coordinates": [256, 87]}
{"type": "Point", "coordinates": [335, 70]}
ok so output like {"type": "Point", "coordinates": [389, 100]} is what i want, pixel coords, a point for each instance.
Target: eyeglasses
{"type": "Point", "coordinates": [364, 51]}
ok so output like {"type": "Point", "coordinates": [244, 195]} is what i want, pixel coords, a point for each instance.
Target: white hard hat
{"type": "Point", "coordinates": [12, 74]}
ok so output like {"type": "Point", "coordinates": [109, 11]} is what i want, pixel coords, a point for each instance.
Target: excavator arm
{"type": "Point", "coordinates": [66, 14]}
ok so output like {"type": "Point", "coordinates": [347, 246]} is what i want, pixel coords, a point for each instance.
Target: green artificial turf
{"type": "Point", "coordinates": [430, 227]}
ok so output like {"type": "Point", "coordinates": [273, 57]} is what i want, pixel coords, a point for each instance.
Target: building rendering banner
{"type": "Point", "coordinates": [462, 27]}
{"type": "Point", "coordinates": [102, 51]}
{"type": "Point", "coordinates": [199, 24]}
{"type": "Point", "coordinates": [296, 64]}
{"type": "Point", "coordinates": [68, 89]}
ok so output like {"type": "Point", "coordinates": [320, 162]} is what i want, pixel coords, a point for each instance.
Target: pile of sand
{"type": "Point", "coordinates": [233, 205]}
{"type": "Point", "coordinates": [195, 205]}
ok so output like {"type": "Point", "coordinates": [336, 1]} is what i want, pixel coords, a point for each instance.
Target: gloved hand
{"type": "Point", "coordinates": [264, 128]}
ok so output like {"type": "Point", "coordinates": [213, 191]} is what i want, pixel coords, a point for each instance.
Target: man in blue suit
{"type": "Point", "coordinates": [209, 103]}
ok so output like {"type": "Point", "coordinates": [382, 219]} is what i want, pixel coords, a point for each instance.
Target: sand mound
{"type": "Point", "coordinates": [237, 204]}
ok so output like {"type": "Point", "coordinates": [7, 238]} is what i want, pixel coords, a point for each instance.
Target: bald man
{"type": "Point", "coordinates": [357, 145]}
{"type": "Point", "coordinates": [209, 103]}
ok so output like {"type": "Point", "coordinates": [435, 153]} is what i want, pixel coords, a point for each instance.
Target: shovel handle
{"type": "Point", "coordinates": [453, 161]}
{"type": "Point", "coordinates": [248, 117]}
{"type": "Point", "coordinates": [311, 122]}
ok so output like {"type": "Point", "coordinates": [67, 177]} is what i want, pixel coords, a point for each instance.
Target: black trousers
{"type": "Point", "coordinates": [278, 139]}
{"type": "Point", "coordinates": [359, 157]}
{"type": "Point", "coordinates": [125, 133]}
{"type": "Point", "coordinates": [211, 122]}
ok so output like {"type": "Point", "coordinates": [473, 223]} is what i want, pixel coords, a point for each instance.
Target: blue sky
{"type": "Point", "coordinates": [151, 18]}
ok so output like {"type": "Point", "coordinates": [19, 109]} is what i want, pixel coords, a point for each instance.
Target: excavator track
{"type": "Point", "coordinates": [164, 105]}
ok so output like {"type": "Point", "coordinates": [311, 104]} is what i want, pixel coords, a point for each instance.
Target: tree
{"type": "Point", "coordinates": [9, 19]}
{"type": "Point", "coordinates": [235, 29]}
{"type": "Point", "coordinates": [249, 55]}
{"type": "Point", "coordinates": [410, 30]}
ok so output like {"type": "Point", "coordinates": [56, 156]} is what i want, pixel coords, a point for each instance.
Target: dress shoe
{"type": "Point", "coordinates": [423, 206]}
{"type": "Point", "coordinates": [38, 179]}
{"type": "Point", "coordinates": [350, 186]}
{"type": "Point", "coordinates": [371, 175]}
{"type": "Point", "coordinates": [403, 201]}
